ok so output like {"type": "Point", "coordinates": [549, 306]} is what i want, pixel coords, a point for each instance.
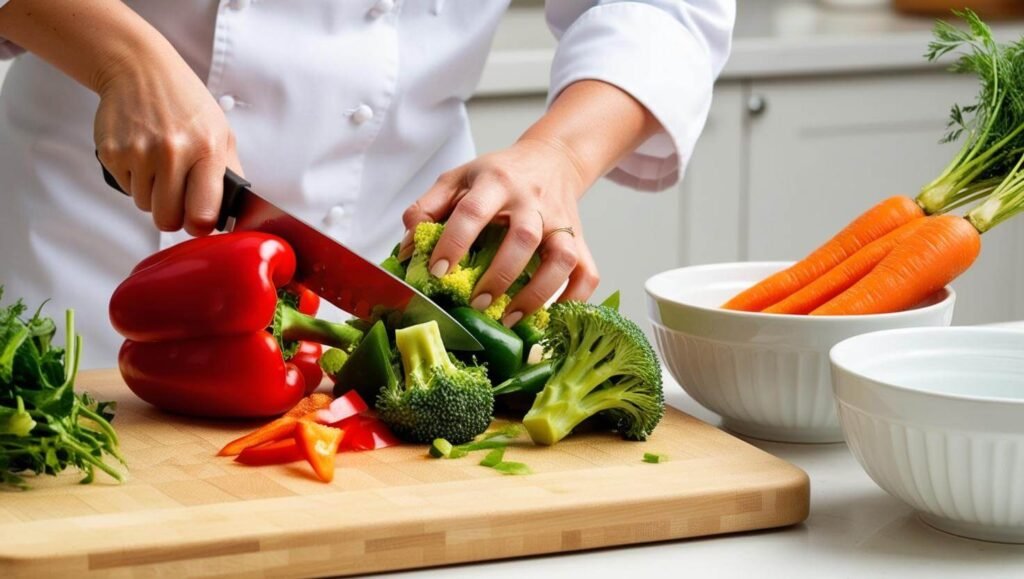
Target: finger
{"type": "Point", "coordinates": [204, 189]}
{"type": "Point", "coordinates": [405, 247]}
{"type": "Point", "coordinates": [434, 205]}
{"type": "Point", "coordinates": [558, 259]}
{"type": "Point", "coordinates": [583, 280]}
{"type": "Point", "coordinates": [115, 160]}
{"type": "Point", "coordinates": [471, 214]}
{"type": "Point", "coordinates": [520, 243]}
{"type": "Point", "coordinates": [169, 187]}
{"type": "Point", "coordinates": [142, 176]}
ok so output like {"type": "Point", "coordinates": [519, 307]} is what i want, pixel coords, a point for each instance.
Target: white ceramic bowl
{"type": "Point", "coordinates": [767, 375]}
{"type": "Point", "coordinates": [936, 418]}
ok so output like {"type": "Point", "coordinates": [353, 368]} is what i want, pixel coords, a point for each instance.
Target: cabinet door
{"type": "Point", "coordinates": [632, 235]}
{"type": "Point", "coordinates": [823, 150]}
{"type": "Point", "coordinates": [711, 210]}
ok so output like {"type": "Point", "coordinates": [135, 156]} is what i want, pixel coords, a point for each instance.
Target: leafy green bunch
{"type": "Point", "coordinates": [992, 128]}
{"type": "Point", "coordinates": [45, 427]}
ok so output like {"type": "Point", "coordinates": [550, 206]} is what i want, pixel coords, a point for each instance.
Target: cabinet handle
{"type": "Point", "coordinates": [756, 104]}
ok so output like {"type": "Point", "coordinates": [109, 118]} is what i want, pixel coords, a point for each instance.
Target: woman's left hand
{"type": "Point", "coordinates": [533, 187]}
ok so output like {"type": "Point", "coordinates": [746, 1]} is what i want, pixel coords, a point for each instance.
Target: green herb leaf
{"type": "Point", "coordinates": [45, 427]}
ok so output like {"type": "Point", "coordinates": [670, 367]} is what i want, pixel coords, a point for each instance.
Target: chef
{"type": "Point", "coordinates": [350, 114]}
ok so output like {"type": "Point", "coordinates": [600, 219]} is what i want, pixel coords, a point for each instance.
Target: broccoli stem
{"type": "Point", "coordinates": [422, 349]}
{"type": "Point", "coordinates": [297, 326]}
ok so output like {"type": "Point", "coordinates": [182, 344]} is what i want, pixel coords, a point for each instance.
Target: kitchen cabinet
{"type": "Point", "coordinates": [783, 164]}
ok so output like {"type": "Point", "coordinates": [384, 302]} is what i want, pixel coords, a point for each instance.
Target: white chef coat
{"type": "Point", "coordinates": [344, 112]}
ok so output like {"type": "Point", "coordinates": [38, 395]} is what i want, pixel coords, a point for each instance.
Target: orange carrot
{"type": "Point", "coordinates": [941, 249]}
{"type": "Point", "coordinates": [871, 225]}
{"type": "Point", "coordinates": [841, 277]}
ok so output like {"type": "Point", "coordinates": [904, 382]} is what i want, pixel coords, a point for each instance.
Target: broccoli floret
{"type": "Point", "coordinates": [455, 288]}
{"type": "Point", "coordinates": [441, 398]}
{"type": "Point", "coordinates": [605, 367]}
{"type": "Point", "coordinates": [417, 273]}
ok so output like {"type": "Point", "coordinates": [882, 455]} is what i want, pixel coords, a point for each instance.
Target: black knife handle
{"type": "Point", "coordinates": [233, 185]}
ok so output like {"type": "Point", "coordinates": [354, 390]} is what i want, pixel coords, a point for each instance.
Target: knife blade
{"type": "Point", "coordinates": [335, 272]}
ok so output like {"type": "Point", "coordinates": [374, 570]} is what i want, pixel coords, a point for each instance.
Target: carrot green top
{"type": "Point", "coordinates": [993, 125]}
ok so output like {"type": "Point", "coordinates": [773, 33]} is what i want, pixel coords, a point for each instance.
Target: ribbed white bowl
{"type": "Point", "coordinates": [766, 375]}
{"type": "Point", "coordinates": [936, 418]}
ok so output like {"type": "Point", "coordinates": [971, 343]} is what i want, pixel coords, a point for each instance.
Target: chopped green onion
{"type": "Point", "coordinates": [493, 458]}
{"type": "Point", "coordinates": [440, 448]}
{"type": "Point", "coordinates": [512, 468]}
{"type": "Point", "coordinates": [655, 458]}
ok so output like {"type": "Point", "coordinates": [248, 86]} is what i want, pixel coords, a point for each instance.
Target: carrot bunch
{"type": "Point", "coordinates": [902, 250]}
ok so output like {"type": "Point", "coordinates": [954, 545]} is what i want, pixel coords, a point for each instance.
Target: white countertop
{"type": "Point", "coordinates": [855, 529]}
{"type": "Point", "coordinates": [772, 38]}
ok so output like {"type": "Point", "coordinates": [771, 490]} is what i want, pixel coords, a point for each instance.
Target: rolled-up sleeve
{"type": "Point", "coordinates": [8, 49]}
{"type": "Point", "coordinates": [666, 54]}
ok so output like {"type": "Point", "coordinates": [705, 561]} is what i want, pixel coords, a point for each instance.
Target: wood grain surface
{"type": "Point", "coordinates": [186, 512]}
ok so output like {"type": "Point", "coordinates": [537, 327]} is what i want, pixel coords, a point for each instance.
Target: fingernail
{"type": "Point", "coordinates": [407, 238]}
{"type": "Point", "coordinates": [512, 319]}
{"type": "Point", "coordinates": [481, 302]}
{"type": "Point", "coordinates": [439, 268]}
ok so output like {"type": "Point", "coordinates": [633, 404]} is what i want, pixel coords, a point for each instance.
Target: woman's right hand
{"type": "Point", "coordinates": [165, 139]}
{"type": "Point", "coordinates": [158, 130]}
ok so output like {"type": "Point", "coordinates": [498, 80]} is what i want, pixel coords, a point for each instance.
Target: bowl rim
{"type": "Point", "coordinates": [886, 384]}
{"type": "Point", "coordinates": [940, 304]}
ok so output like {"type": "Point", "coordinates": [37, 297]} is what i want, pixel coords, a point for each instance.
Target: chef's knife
{"type": "Point", "coordinates": [329, 268]}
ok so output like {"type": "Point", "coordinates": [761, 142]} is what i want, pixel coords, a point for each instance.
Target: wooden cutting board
{"type": "Point", "coordinates": [185, 512]}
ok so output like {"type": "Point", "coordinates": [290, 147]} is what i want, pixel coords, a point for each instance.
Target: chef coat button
{"type": "Point", "coordinates": [240, 4]}
{"type": "Point", "coordinates": [226, 102]}
{"type": "Point", "coordinates": [382, 7]}
{"type": "Point", "coordinates": [335, 216]}
{"type": "Point", "coordinates": [362, 114]}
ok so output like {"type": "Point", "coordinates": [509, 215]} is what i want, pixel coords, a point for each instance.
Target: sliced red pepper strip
{"type": "Point", "coordinates": [345, 406]}
{"type": "Point", "coordinates": [278, 429]}
{"type": "Point", "coordinates": [279, 452]}
{"type": "Point", "coordinates": [365, 433]}
{"type": "Point", "coordinates": [319, 444]}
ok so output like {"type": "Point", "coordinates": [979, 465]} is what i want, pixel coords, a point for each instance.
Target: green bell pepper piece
{"type": "Point", "coordinates": [369, 367]}
{"type": "Point", "coordinates": [503, 349]}
{"type": "Point", "coordinates": [529, 379]}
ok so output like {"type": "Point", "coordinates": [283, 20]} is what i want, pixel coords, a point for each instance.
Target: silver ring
{"type": "Point", "coordinates": [559, 230]}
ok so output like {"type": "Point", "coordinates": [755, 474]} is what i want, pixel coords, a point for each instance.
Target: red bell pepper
{"type": "Point", "coordinates": [196, 317]}
{"type": "Point", "coordinates": [319, 444]}
{"type": "Point", "coordinates": [306, 356]}
{"type": "Point", "coordinates": [307, 301]}
{"type": "Point", "coordinates": [307, 359]}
